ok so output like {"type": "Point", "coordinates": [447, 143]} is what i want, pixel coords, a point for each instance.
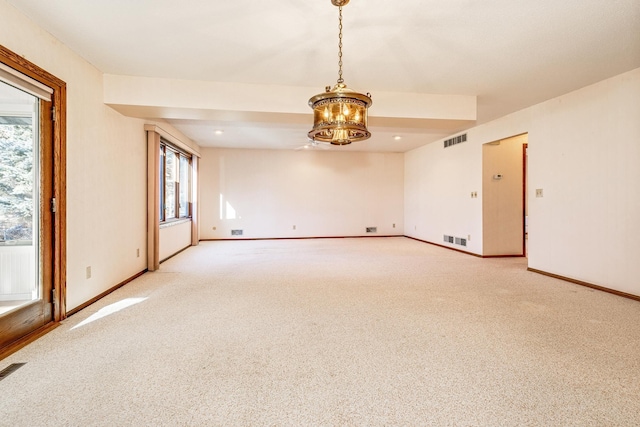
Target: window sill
{"type": "Point", "coordinates": [173, 222]}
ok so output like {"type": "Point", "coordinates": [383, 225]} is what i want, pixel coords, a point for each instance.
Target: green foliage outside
{"type": "Point", "coordinates": [16, 182]}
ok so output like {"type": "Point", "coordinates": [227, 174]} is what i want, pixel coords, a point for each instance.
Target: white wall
{"type": "Point", "coordinates": [174, 238]}
{"type": "Point", "coordinates": [106, 166]}
{"type": "Point", "coordinates": [584, 152]}
{"type": "Point", "coordinates": [438, 185]}
{"type": "Point", "coordinates": [323, 193]}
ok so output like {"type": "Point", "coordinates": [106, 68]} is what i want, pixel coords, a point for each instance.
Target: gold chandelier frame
{"type": "Point", "coordinates": [340, 115]}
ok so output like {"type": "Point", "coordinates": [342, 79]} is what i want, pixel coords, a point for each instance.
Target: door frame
{"type": "Point", "coordinates": [525, 209]}
{"type": "Point", "coordinates": [55, 180]}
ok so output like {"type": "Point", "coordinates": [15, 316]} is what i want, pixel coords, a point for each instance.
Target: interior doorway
{"type": "Point", "coordinates": [32, 211]}
{"type": "Point", "coordinates": [504, 197]}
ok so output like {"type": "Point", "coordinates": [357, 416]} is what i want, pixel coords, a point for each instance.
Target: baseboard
{"type": "Point", "coordinates": [301, 238]}
{"type": "Point", "coordinates": [27, 339]}
{"type": "Point", "coordinates": [586, 284]}
{"type": "Point", "coordinates": [502, 256]}
{"type": "Point", "coordinates": [105, 293]}
{"type": "Point", "coordinates": [443, 246]}
{"type": "Point", "coordinates": [175, 253]}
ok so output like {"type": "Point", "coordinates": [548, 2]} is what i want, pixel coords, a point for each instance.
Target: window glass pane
{"type": "Point", "coordinates": [184, 186]}
{"type": "Point", "coordinates": [170, 184]}
{"type": "Point", "coordinates": [19, 198]}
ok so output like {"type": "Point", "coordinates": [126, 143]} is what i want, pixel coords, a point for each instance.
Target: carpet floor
{"type": "Point", "coordinates": [335, 332]}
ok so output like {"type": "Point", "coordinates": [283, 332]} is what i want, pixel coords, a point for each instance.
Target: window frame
{"type": "Point", "coordinates": [168, 149]}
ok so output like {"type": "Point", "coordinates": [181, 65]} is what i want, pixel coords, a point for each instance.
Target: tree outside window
{"type": "Point", "coordinates": [16, 182]}
{"type": "Point", "coordinates": [175, 183]}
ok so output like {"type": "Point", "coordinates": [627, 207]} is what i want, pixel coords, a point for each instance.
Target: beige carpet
{"type": "Point", "coordinates": [335, 332]}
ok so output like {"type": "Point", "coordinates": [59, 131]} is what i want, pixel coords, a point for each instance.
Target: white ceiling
{"type": "Point", "coordinates": [509, 53]}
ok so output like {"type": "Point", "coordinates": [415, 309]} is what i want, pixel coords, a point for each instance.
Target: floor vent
{"type": "Point", "coordinates": [236, 232]}
{"type": "Point", "coordinates": [372, 229]}
{"type": "Point", "coordinates": [10, 370]}
{"type": "Point", "coordinates": [455, 140]}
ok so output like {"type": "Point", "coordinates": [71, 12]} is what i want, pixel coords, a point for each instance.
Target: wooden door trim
{"type": "Point", "coordinates": [27, 339]}
{"type": "Point", "coordinates": [59, 104]}
{"type": "Point", "coordinates": [524, 198]}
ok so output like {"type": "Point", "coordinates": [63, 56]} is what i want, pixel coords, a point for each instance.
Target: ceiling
{"type": "Point", "coordinates": [509, 54]}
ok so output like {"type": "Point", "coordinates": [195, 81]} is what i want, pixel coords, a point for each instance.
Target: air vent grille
{"type": "Point", "coordinates": [455, 240]}
{"type": "Point", "coordinates": [460, 241]}
{"type": "Point", "coordinates": [236, 232]}
{"type": "Point", "coordinates": [455, 140]}
{"type": "Point", "coordinates": [10, 370]}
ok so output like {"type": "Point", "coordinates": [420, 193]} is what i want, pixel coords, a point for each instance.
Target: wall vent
{"type": "Point", "coordinates": [455, 240]}
{"type": "Point", "coordinates": [236, 232]}
{"type": "Point", "coordinates": [372, 229]}
{"type": "Point", "coordinates": [455, 140]}
{"type": "Point", "coordinates": [460, 241]}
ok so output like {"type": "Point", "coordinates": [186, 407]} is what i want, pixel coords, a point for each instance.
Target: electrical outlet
{"type": "Point", "coordinates": [138, 253]}
{"type": "Point", "coordinates": [538, 192]}
{"type": "Point", "coordinates": [294, 227]}
{"type": "Point", "coordinates": [394, 226]}
{"type": "Point", "coordinates": [468, 237]}
{"type": "Point", "coordinates": [89, 272]}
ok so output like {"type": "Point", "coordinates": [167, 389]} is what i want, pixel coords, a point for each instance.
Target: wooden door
{"type": "Point", "coordinates": [32, 200]}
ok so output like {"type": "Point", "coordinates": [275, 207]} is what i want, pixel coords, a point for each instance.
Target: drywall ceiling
{"type": "Point", "coordinates": [507, 54]}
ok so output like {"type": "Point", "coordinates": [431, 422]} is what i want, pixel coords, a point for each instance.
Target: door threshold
{"type": "Point", "coordinates": [27, 339]}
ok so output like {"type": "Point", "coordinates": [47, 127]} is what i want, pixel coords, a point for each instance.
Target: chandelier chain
{"type": "Point", "coordinates": [340, 79]}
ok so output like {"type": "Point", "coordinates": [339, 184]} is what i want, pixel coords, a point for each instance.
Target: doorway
{"type": "Point", "coordinates": [504, 197]}
{"type": "Point", "coordinates": [31, 200]}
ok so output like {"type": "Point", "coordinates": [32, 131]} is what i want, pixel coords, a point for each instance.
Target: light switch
{"type": "Point", "coordinates": [538, 192]}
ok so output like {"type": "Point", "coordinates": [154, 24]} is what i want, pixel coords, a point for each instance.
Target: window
{"type": "Point", "coordinates": [175, 183]}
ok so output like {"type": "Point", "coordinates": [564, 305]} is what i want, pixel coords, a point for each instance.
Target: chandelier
{"type": "Point", "coordinates": [339, 114]}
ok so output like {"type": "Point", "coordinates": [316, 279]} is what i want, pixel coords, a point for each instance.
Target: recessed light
{"type": "Point", "coordinates": [397, 137]}
{"type": "Point", "coordinates": [219, 132]}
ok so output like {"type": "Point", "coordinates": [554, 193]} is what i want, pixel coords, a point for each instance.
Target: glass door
{"type": "Point", "coordinates": [26, 226]}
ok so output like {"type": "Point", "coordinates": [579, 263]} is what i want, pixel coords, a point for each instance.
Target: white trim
{"type": "Point", "coordinates": [172, 139]}
{"type": "Point", "coordinates": [173, 222]}
{"type": "Point", "coordinates": [25, 83]}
